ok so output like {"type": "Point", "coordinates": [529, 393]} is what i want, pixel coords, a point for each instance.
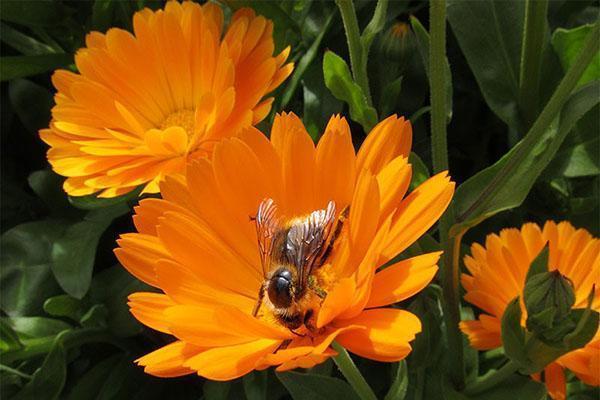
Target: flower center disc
{"type": "Point", "coordinates": [182, 118]}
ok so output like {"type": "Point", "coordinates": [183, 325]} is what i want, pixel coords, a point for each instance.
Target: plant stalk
{"type": "Point", "coordinates": [492, 379]}
{"type": "Point", "coordinates": [439, 150]}
{"type": "Point", "coordinates": [352, 374]}
{"type": "Point", "coordinates": [531, 58]}
{"type": "Point", "coordinates": [358, 60]}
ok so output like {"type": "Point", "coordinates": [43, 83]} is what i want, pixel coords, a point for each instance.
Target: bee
{"type": "Point", "coordinates": [290, 252]}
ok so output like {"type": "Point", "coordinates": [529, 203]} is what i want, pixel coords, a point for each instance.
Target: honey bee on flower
{"type": "Point", "coordinates": [270, 250]}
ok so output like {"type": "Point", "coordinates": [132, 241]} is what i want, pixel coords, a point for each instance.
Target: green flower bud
{"type": "Point", "coordinates": [398, 43]}
{"type": "Point", "coordinates": [549, 298]}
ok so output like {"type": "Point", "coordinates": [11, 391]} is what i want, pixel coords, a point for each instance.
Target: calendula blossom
{"type": "Point", "coordinates": [143, 104]}
{"type": "Point", "coordinates": [198, 245]}
{"type": "Point", "coordinates": [497, 275]}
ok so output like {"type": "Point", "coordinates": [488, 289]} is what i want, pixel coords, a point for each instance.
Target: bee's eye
{"type": "Point", "coordinates": [280, 289]}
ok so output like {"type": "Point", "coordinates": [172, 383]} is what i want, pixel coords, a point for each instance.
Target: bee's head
{"type": "Point", "coordinates": [280, 287]}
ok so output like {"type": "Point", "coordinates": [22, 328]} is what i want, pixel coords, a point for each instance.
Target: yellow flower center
{"type": "Point", "coordinates": [182, 118]}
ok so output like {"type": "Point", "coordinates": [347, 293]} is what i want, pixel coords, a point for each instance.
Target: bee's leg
{"type": "Point", "coordinates": [337, 229]}
{"type": "Point", "coordinates": [261, 296]}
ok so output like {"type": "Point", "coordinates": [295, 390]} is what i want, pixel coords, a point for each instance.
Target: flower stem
{"type": "Point", "coordinates": [490, 380]}
{"type": "Point", "coordinates": [352, 374]}
{"type": "Point", "coordinates": [439, 151]}
{"type": "Point", "coordinates": [358, 60]}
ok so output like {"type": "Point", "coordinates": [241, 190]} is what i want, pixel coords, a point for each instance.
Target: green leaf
{"type": "Point", "coordinates": [399, 384]}
{"type": "Point", "coordinates": [515, 387]}
{"type": "Point", "coordinates": [74, 253]}
{"type": "Point", "coordinates": [33, 13]}
{"type": "Point", "coordinates": [31, 103]}
{"type": "Point", "coordinates": [90, 384]}
{"type": "Point", "coordinates": [64, 306]}
{"type": "Point", "coordinates": [102, 14]}
{"type": "Point", "coordinates": [339, 81]}
{"type": "Point", "coordinates": [47, 185]}
{"type": "Point", "coordinates": [49, 379]}
{"type": "Point", "coordinates": [420, 172]}
{"type": "Point", "coordinates": [36, 327]}
{"type": "Point", "coordinates": [92, 202]}
{"type": "Point", "coordinates": [26, 277]}
{"type": "Point", "coordinates": [539, 264]}
{"type": "Point", "coordinates": [316, 387]}
{"type": "Point", "coordinates": [13, 67]}
{"type": "Point", "coordinates": [111, 287]}
{"type": "Point", "coordinates": [505, 184]}
{"type": "Point", "coordinates": [95, 317]}
{"type": "Point", "coordinates": [23, 43]}
{"type": "Point", "coordinates": [513, 335]}
{"type": "Point", "coordinates": [579, 154]}
{"type": "Point", "coordinates": [568, 43]}
{"type": "Point", "coordinates": [9, 340]}
{"type": "Point", "coordinates": [423, 45]}
{"type": "Point", "coordinates": [304, 62]}
{"type": "Point", "coordinates": [389, 97]}
{"type": "Point", "coordinates": [319, 103]}
{"type": "Point", "coordinates": [492, 49]}
{"type": "Point", "coordinates": [255, 385]}
{"type": "Point", "coordinates": [214, 390]}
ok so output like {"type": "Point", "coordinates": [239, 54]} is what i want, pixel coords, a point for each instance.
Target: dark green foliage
{"type": "Point", "coordinates": [65, 328]}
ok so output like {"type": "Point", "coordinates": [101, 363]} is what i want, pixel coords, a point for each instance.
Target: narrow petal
{"type": "Point", "coordinates": [167, 362]}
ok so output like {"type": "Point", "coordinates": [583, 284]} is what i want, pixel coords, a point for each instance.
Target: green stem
{"type": "Point", "coordinates": [439, 150]}
{"type": "Point", "coordinates": [358, 58]}
{"type": "Point", "coordinates": [14, 371]}
{"type": "Point", "coordinates": [70, 339]}
{"type": "Point", "coordinates": [352, 374]}
{"type": "Point", "coordinates": [492, 379]}
{"type": "Point", "coordinates": [531, 58]}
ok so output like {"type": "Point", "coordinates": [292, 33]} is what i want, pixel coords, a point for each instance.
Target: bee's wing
{"type": "Point", "coordinates": [305, 240]}
{"type": "Point", "coordinates": [267, 225]}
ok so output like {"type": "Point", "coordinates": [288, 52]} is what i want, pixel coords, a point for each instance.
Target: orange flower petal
{"type": "Point", "coordinates": [167, 362]}
{"type": "Point", "coordinates": [403, 279]}
{"type": "Point", "coordinates": [148, 308]}
{"type": "Point", "coordinates": [226, 363]}
{"type": "Point", "coordinates": [418, 212]}
{"type": "Point", "coordinates": [554, 377]}
{"type": "Point", "coordinates": [386, 335]}
{"type": "Point", "coordinates": [389, 139]}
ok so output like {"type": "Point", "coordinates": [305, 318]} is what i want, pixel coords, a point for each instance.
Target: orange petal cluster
{"type": "Point", "coordinates": [143, 104]}
{"type": "Point", "coordinates": [497, 275]}
{"type": "Point", "coordinates": [199, 247]}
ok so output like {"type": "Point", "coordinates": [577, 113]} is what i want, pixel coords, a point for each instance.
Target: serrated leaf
{"type": "Point", "coordinates": [339, 81]}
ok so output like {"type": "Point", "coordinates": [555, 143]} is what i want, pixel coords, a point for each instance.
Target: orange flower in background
{"type": "Point", "coordinates": [289, 205]}
{"type": "Point", "coordinates": [143, 104]}
{"type": "Point", "coordinates": [497, 276]}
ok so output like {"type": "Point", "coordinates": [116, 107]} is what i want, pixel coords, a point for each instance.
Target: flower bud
{"type": "Point", "coordinates": [549, 298]}
{"type": "Point", "coordinates": [398, 42]}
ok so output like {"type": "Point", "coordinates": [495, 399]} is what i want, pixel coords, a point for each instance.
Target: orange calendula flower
{"type": "Point", "coordinates": [143, 104]}
{"type": "Point", "coordinates": [497, 276]}
{"type": "Point", "coordinates": [303, 228]}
